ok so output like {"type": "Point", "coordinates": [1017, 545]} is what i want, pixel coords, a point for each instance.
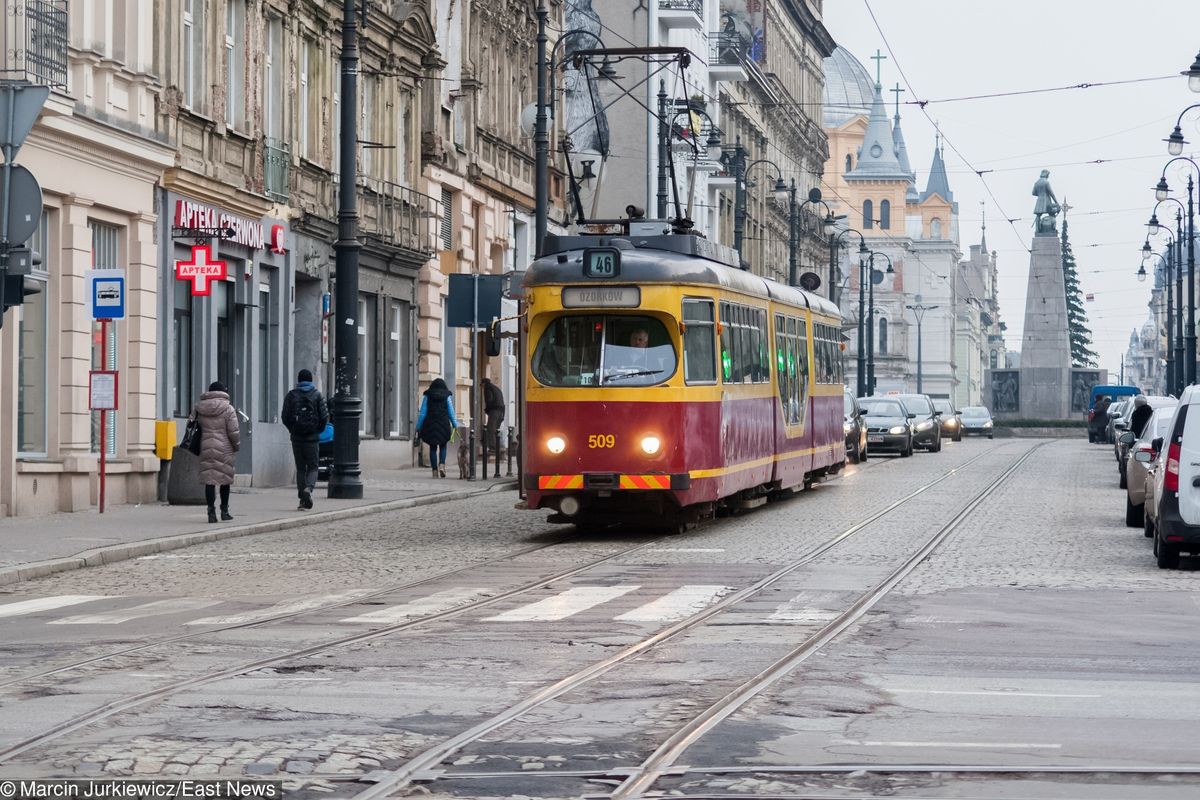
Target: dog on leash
{"type": "Point", "coordinates": [464, 455]}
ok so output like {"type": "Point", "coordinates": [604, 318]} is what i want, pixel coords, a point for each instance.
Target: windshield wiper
{"type": "Point", "coordinates": [633, 374]}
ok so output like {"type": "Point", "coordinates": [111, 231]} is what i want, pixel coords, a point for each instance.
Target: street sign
{"type": "Point", "coordinates": [106, 293]}
{"type": "Point", "coordinates": [460, 303]}
{"type": "Point", "coordinates": [24, 204]}
{"type": "Point", "coordinates": [22, 104]}
{"type": "Point", "coordinates": [202, 270]}
{"type": "Point", "coordinates": [102, 390]}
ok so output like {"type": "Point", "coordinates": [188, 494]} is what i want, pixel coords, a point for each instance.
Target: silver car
{"type": "Point", "coordinates": [1141, 462]}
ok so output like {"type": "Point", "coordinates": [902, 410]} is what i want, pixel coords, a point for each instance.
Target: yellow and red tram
{"type": "Point", "coordinates": [663, 383]}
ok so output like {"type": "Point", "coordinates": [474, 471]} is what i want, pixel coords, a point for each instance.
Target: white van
{"type": "Point", "coordinates": [1174, 522]}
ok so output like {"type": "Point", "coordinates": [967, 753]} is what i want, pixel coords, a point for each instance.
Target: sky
{"type": "Point", "coordinates": [944, 49]}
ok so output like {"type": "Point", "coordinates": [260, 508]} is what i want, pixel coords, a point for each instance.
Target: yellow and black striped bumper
{"type": "Point", "coordinates": [608, 481]}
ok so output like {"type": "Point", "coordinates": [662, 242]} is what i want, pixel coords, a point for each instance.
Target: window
{"type": "Point", "coordinates": [222, 296]}
{"type": "Point", "coordinates": [885, 214]}
{"type": "Point", "coordinates": [33, 349]}
{"type": "Point", "coordinates": [743, 344]}
{"type": "Point", "coordinates": [604, 350]}
{"type": "Point", "coordinates": [366, 125]}
{"type": "Point", "coordinates": [305, 120]}
{"type": "Point", "coordinates": [273, 93]}
{"type": "Point", "coordinates": [447, 226]}
{"type": "Point", "coordinates": [849, 163]}
{"type": "Point", "coordinates": [791, 367]}
{"type": "Point", "coordinates": [935, 229]}
{"type": "Point", "coordinates": [827, 354]}
{"type": "Point", "coordinates": [366, 363]}
{"type": "Point", "coordinates": [106, 243]}
{"type": "Point", "coordinates": [182, 348]}
{"type": "Point", "coordinates": [994, 358]}
{"type": "Point", "coordinates": [235, 63]}
{"type": "Point", "coordinates": [883, 337]}
{"type": "Point", "coordinates": [699, 350]}
{"type": "Point", "coordinates": [193, 54]}
{"type": "Point", "coordinates": [399, 369]}
{"type": "Point", "coordinates": [868, 215]}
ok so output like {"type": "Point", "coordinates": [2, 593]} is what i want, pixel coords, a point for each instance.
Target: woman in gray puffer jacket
{"type": "Point", "coordinates": [219, 442]}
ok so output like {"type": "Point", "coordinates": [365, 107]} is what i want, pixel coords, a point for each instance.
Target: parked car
{"type": "Point", "coordinates": [1115, 414]}
{"type": "Point", "coordinates": [888, 425]}
{"type": "Point", "coordinates": [976, 421]}
{"type": "Point", "coordinates": [1173, 508]}
{"type": "Point", "coordinates": [951, 421]}
{"type": "Point", "coordinates": [927, 431]}
{"type": "Point", "coordinates": [1120, 451]}
{"type": "Point", "coordinates": [1139, 463]}
{"type": "Point", "coordinates": [855, 430]}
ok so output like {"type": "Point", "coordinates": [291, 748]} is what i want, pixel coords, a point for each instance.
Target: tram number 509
{"type": "Point", "coordinates": [599, 441]}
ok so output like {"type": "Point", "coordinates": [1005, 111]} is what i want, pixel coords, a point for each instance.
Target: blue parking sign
{"type": "Point", "coordinates": [107, 295]}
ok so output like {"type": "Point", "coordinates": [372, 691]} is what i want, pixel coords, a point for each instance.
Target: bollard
{"type": "Point", "coordinates": [510, 451]}
{"type": "Point", "coordinates": [484, 438]}
{"type": "Point", "coordinates": [471, 450]}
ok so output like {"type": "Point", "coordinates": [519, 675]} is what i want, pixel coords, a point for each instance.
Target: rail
{"type": "Point", "coordinates": [277, 165]}
{"type": "Point", "coordinates": [727, 48]}
{"type": "Point", "coordinates": [696, 6]}
{"type": "Point", "coordinates": [33, 42]}
{"type": "Point", "coordinates": [396, 215]}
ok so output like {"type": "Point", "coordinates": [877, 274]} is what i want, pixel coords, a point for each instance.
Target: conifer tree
{"type": "Point", "coordinates": [1082, 355]}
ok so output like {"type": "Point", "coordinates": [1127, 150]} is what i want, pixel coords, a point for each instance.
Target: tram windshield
{"type": "Point", "coordinates": [604, 350]}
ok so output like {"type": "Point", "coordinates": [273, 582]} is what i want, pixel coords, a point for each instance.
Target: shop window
{"type": "Point", "coordinates": [366, 363]}
{"type": "Point", "coordinates": [33, 348]}
{"type": "Point", "coordinates": [181, 339]}
{"type": "Point", "coordinates": [106, 246]}
{"type": "Point", "coordinates": [398, 369]}
{"type": "Point", "coordinates": [269, 400]}
{"type": "Point", "coordinates": [222, 296]}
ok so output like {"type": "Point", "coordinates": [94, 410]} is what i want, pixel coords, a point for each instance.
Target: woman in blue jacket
{"type": "Point", "coordinates": [436, 422]}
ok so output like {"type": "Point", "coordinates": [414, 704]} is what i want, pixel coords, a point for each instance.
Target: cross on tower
{"type": "Point", "coordinates": [878, 59]}
{"type": "Point", "coordinates": [897, 91]}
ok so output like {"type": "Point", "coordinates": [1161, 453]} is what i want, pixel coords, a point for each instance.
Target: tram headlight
{"type": "Point", "coordinates": [651, 445]}
{"type": "Point", "coordinates": [896, 429]}
{"type": "Point", "coordinates": [556, 444]}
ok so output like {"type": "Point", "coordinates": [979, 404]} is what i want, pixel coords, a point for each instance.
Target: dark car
{"type": "Point", "coordinates": [855, 430]}
{"type": "Point", "coordinates": [927, 429]}
{"type": "Point", "coordinates": [976, 421]}
{"type": "Point", "coordinates": [888, 425]}
{"type": "Point", "coordinates": [951, 422]}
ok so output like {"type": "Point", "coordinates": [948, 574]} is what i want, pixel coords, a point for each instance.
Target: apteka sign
{"type": "Point", "coordinates": [248, 232]}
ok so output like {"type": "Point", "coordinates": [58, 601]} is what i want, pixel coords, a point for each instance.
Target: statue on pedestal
{"type": "Point", "coordinates": [1047, 207]}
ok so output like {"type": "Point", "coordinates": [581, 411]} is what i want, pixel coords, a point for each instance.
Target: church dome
{"type": "Point", "coordinates": [849, 90]}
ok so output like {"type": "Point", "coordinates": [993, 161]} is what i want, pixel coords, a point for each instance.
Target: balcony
{"type": "Point", "coordinates": [33, 38]}
{"type": "Point", "coordinates": [727, 56]}
{"type": "Point", "coordinates": [681, 14]}
{"type": "Point", "coordinates": [277, 164]}
{"type": "Point", "coordinates": [396, 215]}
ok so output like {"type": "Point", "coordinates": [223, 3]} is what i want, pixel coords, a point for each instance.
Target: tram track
{"type": "Point", "coordinates": [112, 708]}
{"type": "Point", "coordinates": [424, 767]}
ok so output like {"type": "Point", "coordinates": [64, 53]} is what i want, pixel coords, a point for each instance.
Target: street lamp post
{"type": "Point", "coordinates": [919, 310]}
{"type": "Point", "coordinates": [1161, 192]}
{"type": "Point", "coordinates": [345, 477]}
{"type": "Point", "coordinates": [861, 361]}
{"type": "Point", "coordinates": [541, 138]}
{"type": "Point", "coordinates": [871, 319]}
{"type": "Point", "coordinates": [782, 193]}
{"type": "Point", "coordinates": [829, 226]}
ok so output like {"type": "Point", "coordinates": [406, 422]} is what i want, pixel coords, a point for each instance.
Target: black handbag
{"type": "Point", "coordinates": [191, 436]}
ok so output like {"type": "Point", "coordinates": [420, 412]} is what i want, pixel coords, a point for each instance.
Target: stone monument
{"type": "Point", "coordinates": [1045, 373]}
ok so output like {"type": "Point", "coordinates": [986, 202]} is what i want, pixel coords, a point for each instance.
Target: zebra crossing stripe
{"type": "Point", "coordinates": [47, 603]}
{"type": "Point", "coordinates": [442, 601]}
{"type": "Point", "coordinates": [285, 607]}
{"type": "Point", "coordinates": [683, 602]}
{"type": "Point", "coordinates": [564, 604]}
{"type": "Point", "coordinates": [157, 608]}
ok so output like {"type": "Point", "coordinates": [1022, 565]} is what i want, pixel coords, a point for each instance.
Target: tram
{"type": "Point", "coordinates": [665, 385]}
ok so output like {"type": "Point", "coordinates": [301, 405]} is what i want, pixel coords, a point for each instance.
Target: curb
{"type": "Point", "coordinates": [123, 552]}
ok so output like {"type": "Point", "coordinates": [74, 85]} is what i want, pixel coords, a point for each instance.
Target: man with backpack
{"type": "Point", "coordinates": [305, 415]}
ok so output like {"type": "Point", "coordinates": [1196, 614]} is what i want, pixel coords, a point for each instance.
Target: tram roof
{"type": "Point", "coordinates": [672, 259]}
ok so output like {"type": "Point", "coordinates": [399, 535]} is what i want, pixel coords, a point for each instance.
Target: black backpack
{"type": "Point", "coordinates": [306, 415]}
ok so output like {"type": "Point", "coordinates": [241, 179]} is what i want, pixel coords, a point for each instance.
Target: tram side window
{"type": "Point", "coordinates": [781, 363]}
{"type": "Point", "coordinates": [699, 357]}
{"type": "Point", "coordinates": [802, 365]}
{"type": "Point", "coordinates": [727, 336]}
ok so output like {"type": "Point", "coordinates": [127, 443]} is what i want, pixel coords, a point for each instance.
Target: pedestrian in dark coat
{"type": "Point", "coordinates": [436, 422]}
{"type": "Point", "coordinates": [305, 415]}
{"type": "Point", "coordinates": [493, 408]}
{"type": "Point", "coordinates": [219, 442]}
{"type": "Point", "coordinates": [1140, 416]}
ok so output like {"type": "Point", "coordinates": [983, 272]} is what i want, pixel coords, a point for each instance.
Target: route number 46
{"type": "Point", "coordinates": [601, 440]}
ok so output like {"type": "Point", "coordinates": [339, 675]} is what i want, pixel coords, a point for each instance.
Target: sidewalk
{"type": "Point", "coordinates": [35, 547]}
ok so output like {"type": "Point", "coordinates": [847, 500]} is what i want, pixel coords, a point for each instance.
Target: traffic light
{"type": "Point", "coordinates": [491, 340]}
{"type": "Point", "coordinates": [15, 289]}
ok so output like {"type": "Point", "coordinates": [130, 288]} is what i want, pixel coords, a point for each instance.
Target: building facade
{"type": "Point", "coordinates": [98, 151]}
